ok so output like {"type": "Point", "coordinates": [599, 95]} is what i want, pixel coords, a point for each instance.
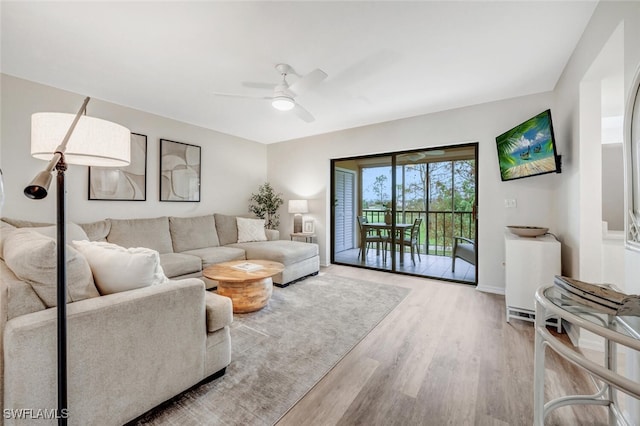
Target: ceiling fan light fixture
{"type": "Point", "coordinates": [283, 103]}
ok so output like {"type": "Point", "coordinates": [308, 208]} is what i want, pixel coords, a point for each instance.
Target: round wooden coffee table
{"type": "Point", "coordinates": [249, 290]}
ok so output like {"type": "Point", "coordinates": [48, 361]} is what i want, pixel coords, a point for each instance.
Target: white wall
{"type": "Point", "coordinates": [301, 169]}
{"type": "Point", "coordinates": [607, 17]}
{"type": "Point", "coordinates": [232, 168]}
{"type": "Point", "coordinates": [613, 186]}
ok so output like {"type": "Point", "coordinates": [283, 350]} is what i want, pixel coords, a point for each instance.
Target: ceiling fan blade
{"type": "Point", "coordinates": [257, 85]}
{"type": "Point", "coordinates": [303, 114]}
{"type": "Point", "coordinates": [308, 81]}
{"type": "Point", "coordinates": [234, 95]}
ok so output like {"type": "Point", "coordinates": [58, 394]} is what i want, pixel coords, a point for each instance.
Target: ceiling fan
{"type": "Point", "coordinates": [283, 98]}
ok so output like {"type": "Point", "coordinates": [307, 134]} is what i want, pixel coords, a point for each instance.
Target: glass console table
{"type": "Point", "coordinates": [616, 330]}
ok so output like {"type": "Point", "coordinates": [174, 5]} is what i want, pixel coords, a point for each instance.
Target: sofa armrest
{"type": "Point", "coordinates": [219, 311]}
{"type": "Point", "coordinates": [153, 337]}
{"type": "Point", "coordinates": [272, 234]}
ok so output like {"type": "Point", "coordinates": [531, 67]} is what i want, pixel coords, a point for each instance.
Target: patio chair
{"type": "Point", "coordinates": [369, 236]}
{"type": "Point", "coordinates": [411, 239]}
{"type": "Point", "coordinates": [465, 249]}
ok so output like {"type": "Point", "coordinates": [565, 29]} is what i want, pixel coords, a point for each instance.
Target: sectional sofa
{"type": "Point", "coordinates": [187, 245]}
{"type": "Point", "coordinates": [133, 349]}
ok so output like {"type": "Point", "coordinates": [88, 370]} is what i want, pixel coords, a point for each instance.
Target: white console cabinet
{"type": "Point", "coordinates": [529, 264]}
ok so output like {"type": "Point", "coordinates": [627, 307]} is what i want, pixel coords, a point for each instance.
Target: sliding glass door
{"type": "Point", "coordinates": [362, 194]}
{"type": "Point", "coordinates": [410, 212]}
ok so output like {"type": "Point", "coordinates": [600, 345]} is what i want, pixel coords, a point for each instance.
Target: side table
{"type": "Point", "coordinates": [308, 238]}
{"type": "Point", "coordinates": [616, 330]}
{"type": "Point", "coordinates": [529, 262]}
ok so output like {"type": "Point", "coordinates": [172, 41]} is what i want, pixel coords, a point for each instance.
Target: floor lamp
{"type": "Point", "coordinates": [86, 141]}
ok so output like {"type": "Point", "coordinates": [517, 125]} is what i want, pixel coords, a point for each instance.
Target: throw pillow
{"type": "Point", "coordinates": [5, 229]}
{"type": "Point", "coordinates": [250, 230]}
{"type": "Point", "coordinates": [117, 269]}
{"type": "Point", "coordinates": [96, 231]}
{"type": "Point", "coordinates": [33, 258]}
{"type": "Point", "coordinates": [73, 231]}
{"type": "Point", "coordinates": [20, 223]}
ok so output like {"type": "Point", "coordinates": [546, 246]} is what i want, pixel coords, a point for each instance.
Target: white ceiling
{"type": "Point", "coordinates": [385, 60]}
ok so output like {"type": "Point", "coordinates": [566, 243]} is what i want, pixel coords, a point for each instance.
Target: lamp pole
{"type": "Point", "coordinates": [37, 189]}
{"type": "Point", "coordinates": [61, 167]}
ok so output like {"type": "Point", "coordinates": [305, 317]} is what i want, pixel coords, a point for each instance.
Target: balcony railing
{"type": "Point", "coordinates": [437, 229]}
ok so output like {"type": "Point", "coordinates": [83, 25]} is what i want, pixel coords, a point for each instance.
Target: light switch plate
{"type": "Point", "coordinates": [510, 203]}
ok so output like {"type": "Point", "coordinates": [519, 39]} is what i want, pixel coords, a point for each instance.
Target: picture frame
{"type": "Point", "coordinates": [127, 183]}
{"type": "Point", "coordinates": [308, 226]}
{"type": "Point", "coordinates": [528, 149]}
{"type": "Point", "coordinates": [180, 171]}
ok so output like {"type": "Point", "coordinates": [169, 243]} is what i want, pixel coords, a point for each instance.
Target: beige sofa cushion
{"type": "Point", "coordinates": [212, 255]}
{"type": "Point", "coordinates": [72, 232]}
{"type": "Point", "coordinates": [190, 233]}
{"type": "Point", "coordinates": [5, 229]}
{"type": "Point", "coordinates": [117, 269]}
{"type": "Point", "coordinates": [32, 257]}
{"type": "Point", "coordinates": [178, 264]}
{"type": "Point", "coordinates": [150, 233]}
{"type": "Point", "coordinates": [227, 229]}
{"type": "Point", "coordinates": [21, 299]}
{"type": "Point", "coordinates": [97, 231]}
{"type": "Point", "coordinates": [219, 311]}
{"type": "Point", "coordinates": [19, 223]}
{"type": "Point", "coordinates": [283, 251]}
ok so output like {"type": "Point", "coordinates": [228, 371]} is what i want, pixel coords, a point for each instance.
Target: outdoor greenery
{"type": "Point", "coordinates": [265, 205]}
{"type": "Point", "coordinates": [449, 189]}
{"type": "Point", "coordinates": [412, 195]}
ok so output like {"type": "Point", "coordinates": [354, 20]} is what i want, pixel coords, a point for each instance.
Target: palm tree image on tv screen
{"type": "Point", "coordinates": [528, 149]}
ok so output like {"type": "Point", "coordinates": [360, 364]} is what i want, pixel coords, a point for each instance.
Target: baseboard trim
{"type": "Point", "coordinates": [490, 289]}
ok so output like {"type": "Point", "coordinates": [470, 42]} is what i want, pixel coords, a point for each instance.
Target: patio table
{"type": "Point", "coordinates": [381, 226]}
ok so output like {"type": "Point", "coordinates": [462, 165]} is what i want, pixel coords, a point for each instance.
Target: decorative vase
{"type": "Point", "coordinates": [387, 217]}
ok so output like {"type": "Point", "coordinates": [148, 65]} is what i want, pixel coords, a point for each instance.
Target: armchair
{"type": "Point", "coordinates": [465, 249]}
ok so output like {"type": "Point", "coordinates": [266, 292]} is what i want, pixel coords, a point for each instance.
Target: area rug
{"type": "Point", "coordinates": [283, 350]}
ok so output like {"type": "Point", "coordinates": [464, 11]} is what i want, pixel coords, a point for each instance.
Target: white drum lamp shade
{"type": "Point", "coordinates": [94, 142]}
{"type": "Point", "coordinates": [298, 206]}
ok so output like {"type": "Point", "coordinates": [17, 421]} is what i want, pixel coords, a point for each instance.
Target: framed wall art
{"type": "Point", "coordinates": [127, 183]}
{"type": "Point", "coordinates": [179, 171]}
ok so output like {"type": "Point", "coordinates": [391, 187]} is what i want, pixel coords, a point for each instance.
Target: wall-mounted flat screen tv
{"type": "Point", "coordinates": [529, 149]}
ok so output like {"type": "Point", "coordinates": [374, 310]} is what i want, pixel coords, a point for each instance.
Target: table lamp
{"type": "Point", "coordinates": [297, 207]}
{"type": "Point", "coordinates": [86, 141]}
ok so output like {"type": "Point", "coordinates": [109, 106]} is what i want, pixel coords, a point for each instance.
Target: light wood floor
{"type": "Point", "coordinates": [444, 356]}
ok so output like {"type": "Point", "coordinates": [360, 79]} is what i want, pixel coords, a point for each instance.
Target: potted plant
{"type": "Point", "coordinates": [265, 205]}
